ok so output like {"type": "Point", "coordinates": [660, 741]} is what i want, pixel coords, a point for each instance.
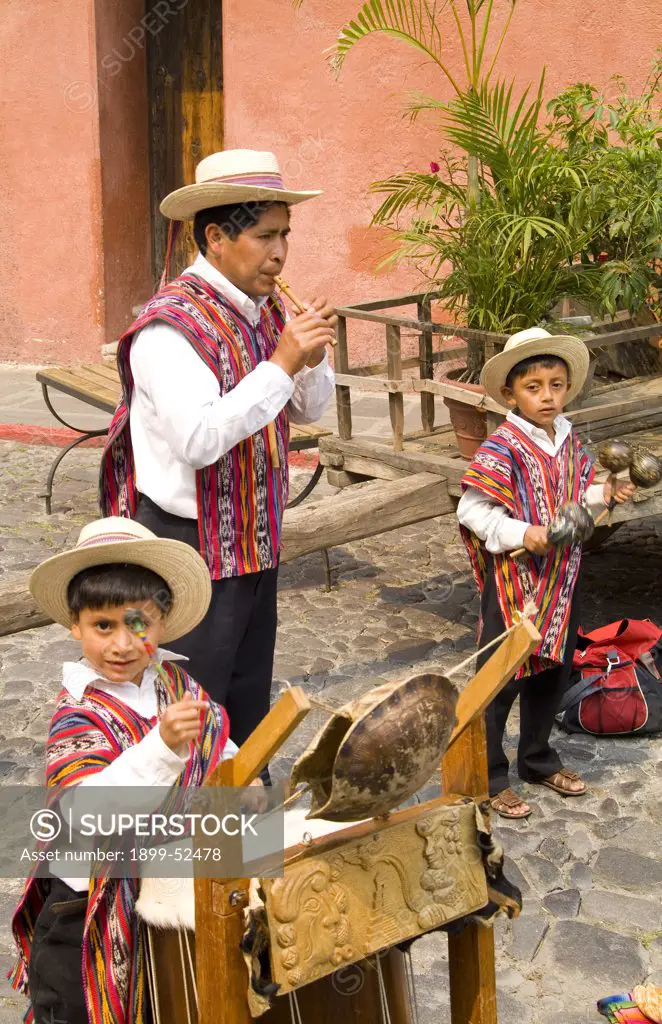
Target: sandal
{"type": "Point", "coordinates": [504, 802]}
{"type": "Point", "coordinates": [559, 782]}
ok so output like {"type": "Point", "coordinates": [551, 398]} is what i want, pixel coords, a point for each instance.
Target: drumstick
{"type": "Point", "coordinates": [605, 512]}
{"type": "Point", "coordinates": [297, 303]}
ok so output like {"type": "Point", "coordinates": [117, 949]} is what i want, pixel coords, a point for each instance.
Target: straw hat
{"type": "Point", "coordinates": [232, 176]}
{"type": "Point", "coordinates": [536, 342]}
{"type": "Point", "coordinates": [119, 540]}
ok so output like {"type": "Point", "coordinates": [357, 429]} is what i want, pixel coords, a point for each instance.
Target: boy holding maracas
{"type": "Point", "coordinates": [521, 475]}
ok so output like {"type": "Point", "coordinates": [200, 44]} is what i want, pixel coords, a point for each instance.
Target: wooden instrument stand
{"type": "Point", "coordinates": [219, 903]}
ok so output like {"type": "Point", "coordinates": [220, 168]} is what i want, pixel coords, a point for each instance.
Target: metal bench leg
{"type": "Point", "coordinates": [58, 459]}
{"type": "Point", "coordinates": [312, 483]}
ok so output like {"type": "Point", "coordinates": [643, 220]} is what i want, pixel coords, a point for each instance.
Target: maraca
{"type": "Point", "coordinates": [645, 469]}
{"type": "Point", "coordinates": [572, 524]}
{"type": "Point", "coordinates": [615, 456]}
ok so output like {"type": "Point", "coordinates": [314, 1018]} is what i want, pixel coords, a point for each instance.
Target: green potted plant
{"type": "Point", "coordinates": [617, 140]}
{"type": "Point", "coordinates": [482, 222]}
{"type": "Point", "coordinates": [499, 264]}
{"type": "Point", "coordinates": [514, 215]}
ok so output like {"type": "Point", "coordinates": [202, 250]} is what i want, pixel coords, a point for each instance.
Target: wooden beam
{"type": "Point", "coordinates": [471, 960]}
{"type": "Point", "coordinates": [493, 676]}
{"type": "Point", "coordinates": [221, 977]}
{"type": "Point", "coordinates": [286, 714]}
{"type": "Point", "coordinates": [609, 410]}
{"type": "Point", "coordinates": [619, 337]}
{"type": "Point", "coordinates": [471, 955]}
{"type": "Point", "coordinates": [219, 902]}
{"type": "Point", "coordinates": [396, 405]}
{"type": "Point", "coordinates": [370, 468]}
{"type": "Point", "coordinates": [363, 511]}
{"type": "Point", "coordinates": [451, 330]}
{"type": "Point", "coordinates": [475, 398]}
{"type": "Point", "coordinates": [18, 609]}
{"type": "Point", "coordinates": [411, 460]}
{"type": "Point", "coordinates": [378, 384]}
{"type": "Point", "coordinates": [343, 396]}
{"type": "Point", "coordinates": [402, 300]}
{"type": "Point", "coordinates": [378, 369]}
{"type": "Point", "coordinates": [426, 365]}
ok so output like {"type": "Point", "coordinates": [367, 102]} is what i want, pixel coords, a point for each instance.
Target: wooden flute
{"type": "Point", "coordinates": [271, 429]}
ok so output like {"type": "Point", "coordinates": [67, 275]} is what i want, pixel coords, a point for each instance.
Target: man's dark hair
{"type": "Point", "coordinates": [232, 219]}
{"type": "Point", "coordinates": [548, 362]}
{"type": "Point", "coordinates": [114, 585]}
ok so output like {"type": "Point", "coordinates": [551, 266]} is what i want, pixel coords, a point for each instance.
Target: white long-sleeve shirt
{"type": "Point", "coordinates": [147, 764]}
{"type": "Point", "coordinates": [491, 521]}
{"type": "Point", "coordinates": [179, 422]}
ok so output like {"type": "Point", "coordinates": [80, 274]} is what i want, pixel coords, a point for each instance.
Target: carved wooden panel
{"type": "Point", "coordinates": [365, 894]}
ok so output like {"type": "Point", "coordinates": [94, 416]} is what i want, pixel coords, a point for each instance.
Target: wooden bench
{"type": "Point", "coordinates": [98, 385]}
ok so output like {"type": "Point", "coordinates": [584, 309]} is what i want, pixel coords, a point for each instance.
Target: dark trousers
{"type": "Point", "coordinates": [55, 978]}
{"type": "Point", "coordinates": [231, 652]}
{"type": "Point", "coordinates": [540, 698]}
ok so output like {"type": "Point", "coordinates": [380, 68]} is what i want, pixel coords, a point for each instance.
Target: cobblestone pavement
{"type": "Point", "coordinates": [589, 868]}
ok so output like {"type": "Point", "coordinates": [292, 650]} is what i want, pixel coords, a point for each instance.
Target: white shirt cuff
{"type": "Point", "coordinates": [166, 761]}
{"type": "Point", "coordinates": [320, 369]}
{"type": "Point", "coordinates": [595, 496]}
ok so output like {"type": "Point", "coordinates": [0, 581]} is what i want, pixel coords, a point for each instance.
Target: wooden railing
{"type": "Point", "coordinates": [369, 378]}
{"type": "Point", "coordinates": [396, 384]}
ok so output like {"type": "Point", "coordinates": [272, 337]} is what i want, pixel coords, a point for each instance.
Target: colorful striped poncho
{"type": "Point", "coordinates": [511, 469]}
{"type": "Point", "coordinates": [622, 1010]}
{"type": "Point", "coordinates": [85, 736]}
{"type": "Point", "coordinates": [242, 497]}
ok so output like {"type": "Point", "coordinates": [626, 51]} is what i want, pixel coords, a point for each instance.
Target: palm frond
{"type": "Point", "coordinates": [483, 123]}
{"type": "Point", "coordinates": [416, 191]}
{"type": "Point", "coordinates": [412, 21]}
{"type": "Point", "coordinates": [418, 102]}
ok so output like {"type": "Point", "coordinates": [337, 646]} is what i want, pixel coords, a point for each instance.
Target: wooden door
{"type": "Point", "coordinates": [185, 94]}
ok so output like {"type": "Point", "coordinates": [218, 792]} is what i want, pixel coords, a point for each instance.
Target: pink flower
{"type": "Point", "coordinates": [434, 167]}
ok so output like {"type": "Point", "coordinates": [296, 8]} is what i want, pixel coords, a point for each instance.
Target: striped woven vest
{"type": "Point", "coordinates": [241, 498]}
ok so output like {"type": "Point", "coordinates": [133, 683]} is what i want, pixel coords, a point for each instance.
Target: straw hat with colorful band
{"type": "Point", "coordinates": [232, 176]}
{"type": "Point", "coordinates": [536, 342]}
{"type": "Point", "coordinates": [119, 540]}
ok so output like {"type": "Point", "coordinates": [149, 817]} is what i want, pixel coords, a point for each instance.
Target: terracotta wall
{"type": "Point", "coordinates": [74, 228]}
{"type": "Point", "coordinates": [50, 251]}
{"type": "Point", "coordinates": [341, 135]}
{"type": "Point", "coordinates": [73, 143]}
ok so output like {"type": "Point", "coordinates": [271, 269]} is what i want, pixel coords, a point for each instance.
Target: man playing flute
{"type": "Point", "coordinates": [211, 371]}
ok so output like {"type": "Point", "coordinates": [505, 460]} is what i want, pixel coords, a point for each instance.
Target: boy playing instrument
{"type": "Point", "coordinates": [520, 476]}
{"type": "Point", "coordinates": [127, 715]}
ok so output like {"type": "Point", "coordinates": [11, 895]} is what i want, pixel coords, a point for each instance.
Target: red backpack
{"type": "Point", "coordinates": [617, 685]}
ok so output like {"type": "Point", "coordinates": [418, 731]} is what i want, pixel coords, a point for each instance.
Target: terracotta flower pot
{"type": "Point", "coordinates": [468, 422]}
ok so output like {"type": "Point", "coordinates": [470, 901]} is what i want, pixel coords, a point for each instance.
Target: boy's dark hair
{"type": "Point", "coordinates": [548, 362]}
{"type": "Point", "coordinates": [232, 219]}
{"type": "Point", "coordinates": [114, 585]}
